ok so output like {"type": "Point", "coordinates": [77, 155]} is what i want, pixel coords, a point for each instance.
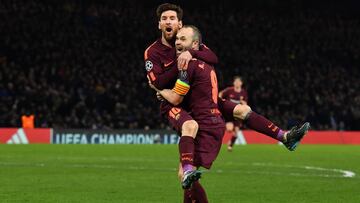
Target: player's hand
{"type": "Point", "coordinates": [151, 85]}
{"type": "Point", "coordinates": [183, 60]}
{"type": "Point", "coordinates": [159, 97]}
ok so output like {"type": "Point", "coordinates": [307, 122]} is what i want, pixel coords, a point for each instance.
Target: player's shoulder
{"type": "Point", "coordinates": [198, 63]}
{"type": "Point", "coordinates": [228, 89]}
{"type": "Point", "coordinates": [152, 49]}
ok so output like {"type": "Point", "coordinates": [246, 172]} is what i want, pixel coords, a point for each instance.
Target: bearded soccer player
{"type": "Point", "coordinates": [161, 65]}
{"type": "Point", "coordinates": [238, 95]}
{"type": "Point", "coordinates": [197, 89]}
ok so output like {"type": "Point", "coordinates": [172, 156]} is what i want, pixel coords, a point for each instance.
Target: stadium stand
{"type": "Point", "coordinates": [79, 64]}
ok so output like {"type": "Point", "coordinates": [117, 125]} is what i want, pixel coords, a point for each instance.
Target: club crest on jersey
{"type": "Point", "coordinates": [148, 65]}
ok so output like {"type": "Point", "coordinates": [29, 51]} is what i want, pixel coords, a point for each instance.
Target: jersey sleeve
{"type": "Point", "coordinates": [205, 54]}
{"type": "Point", "coordinates": [159, 78]}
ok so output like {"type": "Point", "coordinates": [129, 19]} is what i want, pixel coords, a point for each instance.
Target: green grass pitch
{"type": "Point", "coordinates": [148, 173]}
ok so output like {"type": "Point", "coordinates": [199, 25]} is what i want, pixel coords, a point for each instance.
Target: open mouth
{"type": "Point", "coordinates": [168, 29]}
{"type": "Point", "coordinates": [179, 49]}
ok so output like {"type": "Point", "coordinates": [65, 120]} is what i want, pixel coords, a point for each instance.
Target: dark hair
{"type": "Point", "coordinates": [238, 77]}
{"type": "Point", "coordinates": [166, 7]}
{"type": "Point", "coordinates": [197, 33]}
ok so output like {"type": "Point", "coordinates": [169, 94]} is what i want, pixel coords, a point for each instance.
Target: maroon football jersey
{"type": "Point", "coordinates": [161, 66]}
{"type": "Point", "coordinates": [230, 94]}
{"type": "Point", "coordinates": [201, 100]}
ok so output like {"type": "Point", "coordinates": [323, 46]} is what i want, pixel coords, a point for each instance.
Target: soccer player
{"type": "Point", "coordinates": [197, 89]}
{"type": "Point", "coordinates": [160, 63]}
{"type": "Point", "coordinates": [238, 95]}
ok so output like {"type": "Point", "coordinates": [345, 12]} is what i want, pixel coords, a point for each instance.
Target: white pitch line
{"type": "Point", "coordinates": [343, 173]}
{"type": "Point", "coordinates": [346, 173]}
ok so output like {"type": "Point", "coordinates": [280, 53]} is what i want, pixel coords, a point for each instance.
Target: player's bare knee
{"type": "Point", "coordinates": [190, 128]}
{"type": "Point", "coordinates": [241, 110]}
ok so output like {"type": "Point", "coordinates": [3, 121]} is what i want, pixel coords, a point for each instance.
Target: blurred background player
{"type": "Point", "coordinates": [238, 95]}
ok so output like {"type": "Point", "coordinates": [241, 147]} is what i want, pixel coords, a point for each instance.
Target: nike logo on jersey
{"type": "Point", "coordinates": [168, 64]}
{"type": "Point", "coordinates": [201, 65]}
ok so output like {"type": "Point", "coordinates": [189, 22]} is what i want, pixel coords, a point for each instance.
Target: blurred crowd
{"type": "Point", "coordinates": [79, 64]}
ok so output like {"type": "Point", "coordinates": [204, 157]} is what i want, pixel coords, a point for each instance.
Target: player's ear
{"type": "Point", "coordinates": [159, 25]}
{"type": "Point", "coordinates": [180, 24]}
{"type": "Point", "coordinates": [196, 45]}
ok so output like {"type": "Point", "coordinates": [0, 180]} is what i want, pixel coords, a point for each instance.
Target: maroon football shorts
{"type": "Point", "coordinates": [207, 146]}
{"type": "Point", "coordinates": [177, 117]}
{"type": "Point", "coordinates": [226, 108]}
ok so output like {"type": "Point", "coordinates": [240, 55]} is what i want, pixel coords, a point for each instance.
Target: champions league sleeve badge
{"type": "Point", "coordinates": [148, 65]}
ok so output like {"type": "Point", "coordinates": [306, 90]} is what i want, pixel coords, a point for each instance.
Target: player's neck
{"type": "Point", "coordinates": [167, 43]}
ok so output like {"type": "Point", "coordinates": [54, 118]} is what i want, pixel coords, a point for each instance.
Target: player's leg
{"type": "Point", "coordinates": [198, 193]}
{"type": "Point", "coordinates": [253, 120]}
{"type": "Point", "coordinates": [229, 128]}
{"type": "Point", "coordinates": [261, 124]}
{"type": "Point", "coordinates": [186, 144]}
{"type": "Point", "coordinates": [258, 122]}
{"type": "Point", "coordinates": [290, 139]}
{"type": "Point", "coordinates": [187, 193]}
{"type": "Point", "coordinates": [207, 148]}
{"type": "Point", "coordinates": [183, 122]}
{"type": "Point", "coordinates": [195, 193]}
{"type": "Point", "coordinates": [234, 136]}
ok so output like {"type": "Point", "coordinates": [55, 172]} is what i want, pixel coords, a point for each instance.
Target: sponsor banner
{"type": "Point", "coordinates": [25, 135]}
{"type": "Point", "coordinates": [313, 137]}
{"type": "Point", "coordinates": [74, 136]}
{"type": "Point", "coordinates": [332, 137]}
{"type": "Point", "coordinates": [70, 136]}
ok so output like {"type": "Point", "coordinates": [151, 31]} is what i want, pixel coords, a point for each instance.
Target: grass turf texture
{"type": "Point", "coordinates": [148, 173]}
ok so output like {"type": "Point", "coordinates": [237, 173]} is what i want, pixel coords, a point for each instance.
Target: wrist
{"type": "Point", "coordinates": [192, 52]}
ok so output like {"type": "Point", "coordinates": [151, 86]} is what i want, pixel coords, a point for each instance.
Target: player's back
{"type": "Point", "coordinates": [201, 100]}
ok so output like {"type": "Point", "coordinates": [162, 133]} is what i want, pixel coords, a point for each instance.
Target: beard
{"type": "Point", "coordinates": [170, 37]}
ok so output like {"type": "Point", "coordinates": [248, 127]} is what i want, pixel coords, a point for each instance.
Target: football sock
{"type": "Point", "coordinates": [187, 196]}
{"type": "Point", "coordinates": [262, 125]}
{"type": "Point", "coordinates": [186, 150]}
{"type": "Point", "coordinates": [280, 135]}
{"type": "Point", "coordinates": [198, 193]}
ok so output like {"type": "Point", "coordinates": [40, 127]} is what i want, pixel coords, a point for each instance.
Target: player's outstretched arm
{"type": "Point", "coordinates": [204, 54]}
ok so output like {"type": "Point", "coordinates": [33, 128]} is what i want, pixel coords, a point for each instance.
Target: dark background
{"type": "Point", "coordinates": [79, 64]}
